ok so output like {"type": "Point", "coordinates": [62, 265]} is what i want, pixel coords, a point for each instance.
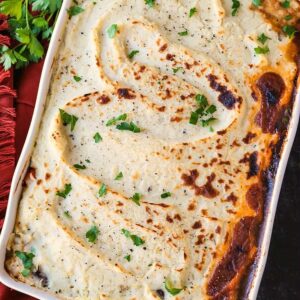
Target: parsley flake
{"type": "Point", "coordinates": [65, 192]}
{"type": "Point", "coordinates": [75, 10]}
{"type": "Point", "coordinates": [129, 126]}
{"type": "Point", "coordinates": [183, 33]}
{"type": "Point", "coordinates": [165, 195]}
{"type": "Point", "coordinates": [127, 257]}
{"type": "Point", "coordinates": [26, 258]}
{"type": "Point", "coordinates": [67, 214]}
{"type": "Point", "coordinates": [112, 31]}
{"type": "Point", "coordinates": [114, 120]}
{"type": "Point", "coordinates": [92, 234]}
{"type": "Point", "coordinates": [175, 70]}
{"type": "Point", "coordinates": [289, 31]}
{"type": "Point", "coordinates": [171, 289]}
{"type": "Point", "coordinates": [235, 6]}
{"type": "Point", "coordinates": [133, 53]}
{"type": "Point", "coordinates": [193, 10]}
{"type": "Point", "coordinates": [137, 241]}
{"type": "Point", "coordinates": [150, 3]}
{"type": "Point", "coordinates": [68, 119]}
{"type": "Point", "coordinates": [77, 78]}
{"type": "Point", "coordinates": [136, 198]}
{"type": "Point", "coordinates": [119, 176]}
{"type": "Point", "coordinates": [262, 50]}
{"type": "Point", "coordinates": [102, 191]}
{"type": "Point", "coordinates": [286, 4]}
{"type": "Point", "coordinates": [256, 2]}
{"type": "Point", "coordinates": [97, 137]}
{"type": "Point", "coordinates": [79, 167]}
{"type": "Point", "coordinates": [288, 17]}
{"type": "Point", "coordinates": [262, 38]}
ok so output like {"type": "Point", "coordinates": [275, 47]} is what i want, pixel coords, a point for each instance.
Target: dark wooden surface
{"type": "Point", "coordinates": [281, 280]}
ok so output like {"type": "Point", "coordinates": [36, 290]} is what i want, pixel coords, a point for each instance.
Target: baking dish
{"type": "Point", "coordinates": [26, 154]}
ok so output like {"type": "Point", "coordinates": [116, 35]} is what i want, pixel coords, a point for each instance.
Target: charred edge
{"type": "Point", "coordinates": [126, 93]}
{"type": "Point", "coordinates": [226, 97]}
{"type": "Point", "coordinates": [253, 166]}
{"type": "Point", "coordinates": [268, 177]}
{"type": "Point", "coordinates": [41, 276]}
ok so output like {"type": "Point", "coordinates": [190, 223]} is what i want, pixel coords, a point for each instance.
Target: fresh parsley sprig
{"type": "Point", "coordinates": [28, 29]}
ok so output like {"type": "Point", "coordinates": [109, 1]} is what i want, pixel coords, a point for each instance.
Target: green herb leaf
{"type": "Point", "coordinates": [150, 3]}
{"type": "Point", "coordinates": [127, 257]}
{"type": "Point", "coordinates": [193, 10]}
{"type": "Point", "coordinates": [112, 30]}
{"type": "Point", "coordinates": [92, 234]}
{"type": "Point", "coordinates": [102, 191]}
{"type": "Point", "coordinates": [183, 33]}
{"type": "Point", "coordinates": [289, 31]}
{"type": "Point", "coordinates": [262, 38]}
{"type": "Point", "coordinates": [171, 289]}
{"type": "Point", "coordinates": [129, 126]}
{"type": "Point", "coordinates": [206, 123]}
{"type": "Point", "coordinates": [194, 118]}
{"type": "Point", "coordinates": [136, 198]}
{"type": "Point", "coordinates": [12, 8]}
{"type": "Point", "coordinates": [97, 137]}
{"type": "Point", "coordinates": [77, 78]}
{"type": "Point", "coordinates": [165, 195]}
{"type": "Point", "coordinates": [23, 35]}
{"type": "Point", "coordinates": [211, 109]}
{"type": "Point", "coordinates": [79, 167]}
{"type": "Point", "coordinates": [262, 50]}
{"type": "Point", "coordinates": [26, 258]}
{"type": "Point", "coordinates": [66, 191]}
{"type": "Point", "coordinates": [286, 4]}
{"type": "Point", "coordinates": [68, 119]}
{"type": "Point", "coordinates": [288, 17]}
{"type": "Point", "coordinates": [235, 6]}
{"type": "Point", "coordinates": [114, 120]}
{"type": "Point", "coordinates": [40, 22]}
{"type": "Point", "coordinates": [137, 241]}
{"type": "Point", "coordinates": [119, 176]}
{"type": "Point", "coordinates": [201, 100]}
{"type": "Point", "coordinates": [133, 53]}
{"type": "Point", "coordinates": [75, 10]}
{"type": "Point", "coordinates": [67, 214]}
{"type": "Point", "coordinates": [175, 70]}
{"type": "Point", "coordinates": [256, 2]}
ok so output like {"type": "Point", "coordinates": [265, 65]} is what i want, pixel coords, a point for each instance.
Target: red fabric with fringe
{"type": "Point", "coordinates": [13, 130]}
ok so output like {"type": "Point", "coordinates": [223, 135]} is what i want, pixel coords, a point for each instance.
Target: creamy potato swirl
{"type": "Point", "coordinates": [207, 170]}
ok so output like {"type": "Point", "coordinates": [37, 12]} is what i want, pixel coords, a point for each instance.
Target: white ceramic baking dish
{"type": "Point", "coordinates": [21, 169]}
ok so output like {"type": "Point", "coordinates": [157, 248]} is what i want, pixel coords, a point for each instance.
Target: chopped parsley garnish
{"type": "Point", "coordinates": [183, 33]}
{"type": "Point", "coordinates": [235, 6]}
{"type": "Point", "coordinates": [165, 195]}
{"type": "Point", "coordinates": [77, 78]}
{"type": "Point", "coordinates": [256, 2]}
{"type": "Point", "coordinates": [75, 10]}
{"type": "Point", "coordinates": [79, 167]}
{"type": "Point", "coordinates": [68, 119]}
{"type": "Point", "coordinates": [175, 70]}
{"type": "Point", "coordinates": [26, 258]}
{"type": "Point", "coordinates": [129, 126]}
{"type": "Point", "coordinates": [193, 10]}
{"type": "Point", "coordinates": [119, 176]}
{"type": "Point", "coordinates": [92, 234]}
{"type": "Point", "coordinates": [127, 257]}
{"type": "Point", "coordinates": [288, 17]}
{"type": "Point", "coordinates": [97, 137]}
{"type": "Point", "coordinates": [262, 38]}
{"type": "Point", "coordinates": [204, 112]}
{"type": "Point", "coordinates": [112, 30]}
{"type": "Point", "coordinates": [262, 50]}
{"type": "Point", "coordinates": [136, 198]}
{"type": "Point", "coordinates": [289, 31]}
{"type": "Point", "coordinates": [114, 120]}
{"type": "Point", "coordinates": [133, 53]}
{"type": "Point", "coordinates": [102, 191]}
{"type": "Point", "coordinates": [286, 4]}
{"type": "Point", "coordinates": [137, 241]}
{"type": "Point", "coordinates": [150, 3]}
{"type": "Point", "coordinates": [66, 191]}
{"type": "Point", "coordinates": [171, 289]}
{"type": "Point", "coordinates": [67, 214]}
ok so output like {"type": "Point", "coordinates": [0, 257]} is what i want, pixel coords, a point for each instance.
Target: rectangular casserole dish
{"type": "Point", "coordinates": [23, 163]}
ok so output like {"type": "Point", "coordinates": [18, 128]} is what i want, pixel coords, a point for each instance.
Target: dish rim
{"type": "Point", "coordinates": [23, 163]}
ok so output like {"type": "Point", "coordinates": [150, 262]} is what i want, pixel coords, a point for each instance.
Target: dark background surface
{"type": "Point", "coordinates": [281, 280]}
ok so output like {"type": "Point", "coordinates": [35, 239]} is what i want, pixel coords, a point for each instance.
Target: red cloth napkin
{"type": "Point", "coordinates": [15, 117]}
